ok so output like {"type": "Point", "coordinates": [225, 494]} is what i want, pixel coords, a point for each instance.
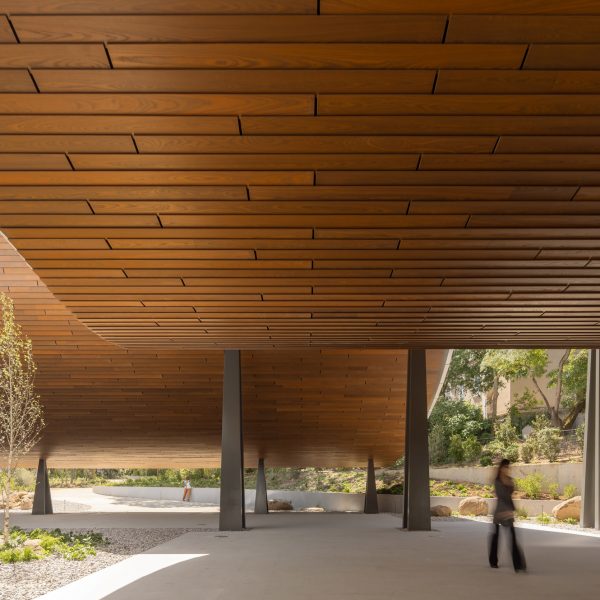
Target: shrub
{"type": "Point", "coordinates": [548, 440]}
{"type": "Point", "coordinates": [532, 485]}
{"type": "Point", "coordinates": [569, 491]}
{"type": "Point", "coordinates": [14, 555]}
{"type": "Point", "coordinates": [455, 449]}
{"type": "Point", "coordinates": [527, 452]}
{"type": "Point", "coordinates": [544, 519]}
{"type": "Point", "coordinates": [570, 521]}
{"type": "Point", "coordinates": [438, 445]}
{"type": "Point", "coordinates": [553, 490]}
{"type": "Point", "coordinates": [471, 448]}
{"type": "Point", "coordinates": [505, 444]}
{"type": "Point", "coordinates": [486, 460]}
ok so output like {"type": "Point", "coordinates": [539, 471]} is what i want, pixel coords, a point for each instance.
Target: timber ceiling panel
{"type": "Point", "coordinates": [110, 406]}
{"type": "Point", "coordinates": [333, 173]}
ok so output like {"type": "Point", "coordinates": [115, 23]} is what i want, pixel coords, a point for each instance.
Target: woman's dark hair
{"type": "Point", "coordinates": [503, 463]}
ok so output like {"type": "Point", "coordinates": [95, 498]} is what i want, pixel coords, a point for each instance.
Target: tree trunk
{"type": "Point", "coordinates": [493, 398]}
{"type": "Point", "coordinates": [569, 420]}
{"type": "Point", "coordinates": [6, 493]}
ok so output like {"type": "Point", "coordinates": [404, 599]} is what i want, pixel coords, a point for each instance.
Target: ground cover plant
{"type": "Point", "coordinates": [24, 546]}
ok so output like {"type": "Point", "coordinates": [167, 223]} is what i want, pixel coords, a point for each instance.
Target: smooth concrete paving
{"type": "Point", "coordinates": [295, 556]}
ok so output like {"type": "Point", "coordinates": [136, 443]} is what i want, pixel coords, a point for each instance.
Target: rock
{"type": "Point", "coordinates": [473, 506]}
{"type": "Point", "coordinates": [32, 543]}
{"type": "Point", "coordinates": [313, 509]}
{"type": "Point", "coordinates": [26, 504]}
{"type": "Point", "coordinates": [441, 511]}
{"type": "Point", "coordinates": [569, 509]}
{"type": "Point", "coordinates": [280, 505]}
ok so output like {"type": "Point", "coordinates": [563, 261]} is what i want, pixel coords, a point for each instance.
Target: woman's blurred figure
{"type": "Point", "coordinates": [505, 515]}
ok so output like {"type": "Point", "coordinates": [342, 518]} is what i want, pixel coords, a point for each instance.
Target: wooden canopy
{"type": "Point", "coordinates": [107, 406]}
{"type": "Point", "coordinates": [332, 173]}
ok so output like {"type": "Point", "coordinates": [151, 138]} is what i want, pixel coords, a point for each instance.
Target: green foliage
{"type": "Point", "coordinates": [514, 364]}
{"type": "Point", "coordinates": [527, 451]}
{"type": "Point", "coordinates": [70, 546]}
{"type": "Point", "coordinates": [553, 490]}
{"type": "Point", "coordinates": [174, 478]}
{"type": "Point", "coordinates": [544, 440]}
{"type": "Point", "coordinates": [570, 521]}
{"type": "Point", "coordinates": [471, 448]}
{"type": "Point", "coordinates": [527, 401]}
{"type": "Point", "coordinates": [486, 459]}
{"type": "Point", "coordinates": [454, 428]}
{"type": "Point", "coordinates": [456, 488]}
{"type": "Point", "coordinates": [574, 379]}
{"type": "Point", "coordinates": [532, 485]}
{"type": "Point", "coordinates": [455, 449]}
{"type": "Point", "coordinates": [466, 375]}
{"type": "Point", "coordinates": [505, 442]}
{"type": "Point", "coordinates": [569, 491]}
{"type": "Point", "coordinates": [438, 444]}
{"type": "Point", "coordinates": [544, 519]}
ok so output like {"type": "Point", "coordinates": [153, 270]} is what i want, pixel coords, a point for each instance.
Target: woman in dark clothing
{"type": "Point", "coordinates": [505, 515]}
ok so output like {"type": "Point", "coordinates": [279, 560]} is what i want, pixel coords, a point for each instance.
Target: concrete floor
{"type": "Point", "coordinates": [293, 556]}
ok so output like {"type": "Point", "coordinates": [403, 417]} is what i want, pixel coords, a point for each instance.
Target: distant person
{"type": "Point", "coordinates": [505, 515]}
{"type": "Point", "coordinates": [187, 490]}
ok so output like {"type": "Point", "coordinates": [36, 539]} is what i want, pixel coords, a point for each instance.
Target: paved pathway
{"type": "Point", "coordinates": [303, 556]}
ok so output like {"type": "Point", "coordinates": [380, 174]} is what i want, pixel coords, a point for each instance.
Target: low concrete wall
{"type": "Point", "coordinates": [561, 473]}
{"type": "Point", "coordinates": [330, 501]}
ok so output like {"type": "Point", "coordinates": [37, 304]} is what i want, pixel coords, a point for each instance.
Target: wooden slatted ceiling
{"type": "Point", "coordinates": [341, 173]}
{"type": "Point", "coordinates": [110, 406]}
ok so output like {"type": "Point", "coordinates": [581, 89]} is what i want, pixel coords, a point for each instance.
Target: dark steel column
{"type": "Point", "coordinates": [416, 486]}
{"type": "Point", "coordinates": [232, 516]}
{"type": "Point", "coordinates": [371, 506]}
{"type": "Point", "coordinates": [261, 505]}
{"type": "Point", "coordinates": [42, 501]}
{"type": "Point", "coordinates": [406, 455]}
{"type": "Point", "coordinates": [589, 497]}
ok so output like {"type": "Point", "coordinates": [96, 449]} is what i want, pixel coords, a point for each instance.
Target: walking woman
{"type": "Point", "coordinates": [505, 515]}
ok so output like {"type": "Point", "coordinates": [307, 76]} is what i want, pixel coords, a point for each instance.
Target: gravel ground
{"type": "Point", "coordinates": [25, 581]}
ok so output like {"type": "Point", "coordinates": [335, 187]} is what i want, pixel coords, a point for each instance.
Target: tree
{"type": "Point", "coordinates": [21, 415]}
{"type": "Point", "coordinates": [573, 385]}
{"type": "Point", "coordinates": [466, 375]}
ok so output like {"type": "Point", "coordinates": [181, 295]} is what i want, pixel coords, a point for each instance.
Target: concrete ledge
{"type": "Point", "coordinates": [330, 501]}
{"type": "Point", "coordinates": [561, 473]}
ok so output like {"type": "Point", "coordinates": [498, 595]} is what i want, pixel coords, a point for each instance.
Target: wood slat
{"type": "Point", "coordinates": [247, 28]}
{"type": "Point", "coordinates": [517, 82]}
{"type": "Point", "coordinates": [423, 125]}
{"type": "Point", "coordinates": [157, 104]}
{"type": "Point", "coordinates": [44, 56]}
{"type": "Point", "coordinates": [117, 124]}
{"type": "Point", "coordinates": [66, 143]}
{"type": "Point", "coordinates": [246, 162]}
{"type": "Point", "coordinates": [316, 56]}
{"type": "Point", "coordinates": [313, 144]}
{"type": "Point", "coordinates": [392, 104]}
{"type": "Point", "coordinates": [513, 29]}
{"type": "Point", "coordinates": [572, 56]}
{"type": "Point", "coordinates": [134, 7]}
{"type": "Point", "coordinates": [233, 81]}
{"type": "Point", "coordinates": [15, 80]}
{"type": "Point", "coordinates": [423, 7]}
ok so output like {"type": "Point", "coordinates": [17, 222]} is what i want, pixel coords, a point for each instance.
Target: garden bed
{"type": "Point", "coordinates": [28, 580]}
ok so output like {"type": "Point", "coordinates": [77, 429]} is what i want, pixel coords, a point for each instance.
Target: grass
{"type": "Point", "coordinates": [70, 546]}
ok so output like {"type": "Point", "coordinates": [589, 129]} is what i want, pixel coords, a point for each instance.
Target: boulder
{"type": "Point", "coordinates": [473, 507]}
{"type": "Point", "coordinates": [312, 509]}
{"type": "Point", "coordinates": [280, 505]}
{"type": "Point", "coordinates": [569, 509]}
{"type": "Point", "coordinates": [26, 504]}
{"type": "Point", "coordinates": [32, 543]}
{"type": "Point", "coordinates": [441, 511]}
